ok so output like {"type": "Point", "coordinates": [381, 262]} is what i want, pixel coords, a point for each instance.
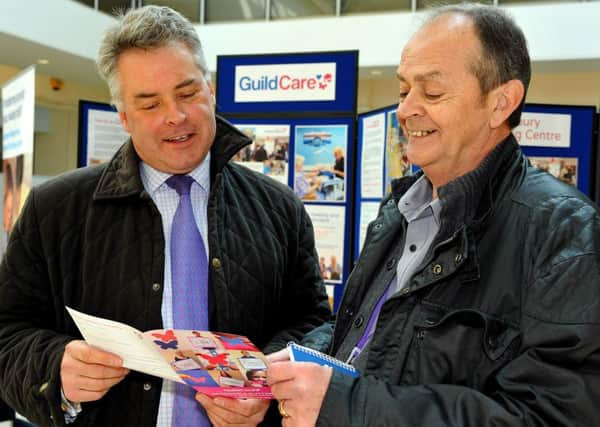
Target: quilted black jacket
{"type": "Point", "coordinates": [92, 239]}
{"type": "Point", "coordinates": [500, 325]}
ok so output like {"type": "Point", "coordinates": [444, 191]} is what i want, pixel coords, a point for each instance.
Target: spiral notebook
{"type": "Point", "coordinates": [299, 353]}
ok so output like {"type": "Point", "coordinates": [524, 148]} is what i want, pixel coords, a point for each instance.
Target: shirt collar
{"type": "Point", "coordinates": [417, 201]}
{"type": "Point", "coordinates": [153, 179]}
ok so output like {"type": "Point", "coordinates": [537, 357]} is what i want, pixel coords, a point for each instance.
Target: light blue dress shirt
{"type": "Point", "coordinates": [166, 200]}
{"type": "Point", "coordinates": [423, 217]}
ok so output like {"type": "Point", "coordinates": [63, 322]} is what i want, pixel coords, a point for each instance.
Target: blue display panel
{"type": "Point", "coordinates": [100, 133]}
{"type": "Point", "coordinates": [324, 82]}
{"type": "Point", "coordinates": [84, 114]}
{"type": "Point", "coordinates": [300, 110]}
{"type": "Point", "coordinates": [321, 145]}
{"type": "Point", "coordinates": [381, 157]}
{"type": "Point", "coordinates": [574, 163]}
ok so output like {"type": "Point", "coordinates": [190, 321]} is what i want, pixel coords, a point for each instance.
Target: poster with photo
{"type": "Point", "coordinates": [373, 152]}
{"type": "Point", "coordinates": [396, 158]}
{"type": "Point", "coordinates": [17, 124]}
{"type": "Point", "coordinates": [329, 225]}
{"type": "Point", "coordinates": [320, 162]}
{"type": "Point", "coordinates": [563, 168]}
{"type": "Point", "coordinates": [269, 151]}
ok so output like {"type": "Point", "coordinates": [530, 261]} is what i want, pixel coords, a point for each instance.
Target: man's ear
{"type": "Point", "coordinates": [507, 98]}
{"type": "Point", "coordinates": [123, 118]}
{"type": "Point", "coordinates": [211, 89]}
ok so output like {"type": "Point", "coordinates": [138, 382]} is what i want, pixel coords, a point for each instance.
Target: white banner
{"type": "Point", "coordinates": [18, 106]}
{"type": "Point", "coordinates": [544, 130]}
{"type": "Point", "coordinates": [285, 82]}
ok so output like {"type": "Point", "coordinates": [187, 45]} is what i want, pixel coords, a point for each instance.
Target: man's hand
{"type": "Point", "coordinates": [301, 387]}
{"type": "Point", "coordinates": [87, 373]}
{"type": "Point", "coordinates": [282, 355]}
{"type": "Point", "coordinates": [224, 412]}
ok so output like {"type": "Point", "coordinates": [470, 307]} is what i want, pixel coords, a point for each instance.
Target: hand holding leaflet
{"type": "Point", "coordinates": [299, 353]}
{"type": "Point", "coordinates": [214, 363]}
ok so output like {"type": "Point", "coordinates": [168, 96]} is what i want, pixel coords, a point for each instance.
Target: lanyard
{"type": "Point", "coordinates": [370, 329]}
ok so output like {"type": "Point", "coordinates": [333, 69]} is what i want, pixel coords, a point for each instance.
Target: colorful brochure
{"type": "Point", "coordinates": [213, 363]}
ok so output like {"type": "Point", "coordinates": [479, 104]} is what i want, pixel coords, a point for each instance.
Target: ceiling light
{"type": "Point", "coordinates": [43, 61]}
{"type": "Point", "coordinates": [376, 72]}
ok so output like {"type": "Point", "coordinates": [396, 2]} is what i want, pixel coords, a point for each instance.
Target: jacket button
{"type": "Point", "coordinates": [358, 321]}
{"type": "Point", "coordinates": [147, 386]}
{"type": "Point", "coordinates": [390, 264]}
{"type": "Point", "coordinates": [404, 291]}
{"type": "Point", "coordinates": [349, 312]}
{"type": "Point", "coordinates": [216, 263]}
{"type": "Point", "coordinates": [437, 269]}
{"type": "Point", "coordinates": [377, 226]}
{"type": "Point", "coordinates": [458, 259]}
{"type": "Point", "coordinates": [156, 287]}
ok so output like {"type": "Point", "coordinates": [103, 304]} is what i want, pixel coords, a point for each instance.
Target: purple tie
{"type": "Point", "coordinates": [189, 279]}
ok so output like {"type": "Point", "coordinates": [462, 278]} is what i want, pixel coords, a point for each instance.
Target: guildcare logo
{"type": "Point", "coordinates": [285, 82]}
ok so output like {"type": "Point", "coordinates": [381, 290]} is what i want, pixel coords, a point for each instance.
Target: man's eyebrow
{"type": "Point", "coordinates": [145, 95]}
{"type": "Point", "coordinates": [421, 77]}
{"type": "Point", "coordinates": [185, 83]}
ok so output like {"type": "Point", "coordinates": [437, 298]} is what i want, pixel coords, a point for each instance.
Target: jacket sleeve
{"type": "Point", "coordinates": [554, 377]}
{"type": "Point", "coordinates": [304, 297]}
{"type": "Point", "coordinates": [30, 350]}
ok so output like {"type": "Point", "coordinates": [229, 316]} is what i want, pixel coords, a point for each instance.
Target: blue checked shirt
{"type": "Point", "coordinates": [166, 200]}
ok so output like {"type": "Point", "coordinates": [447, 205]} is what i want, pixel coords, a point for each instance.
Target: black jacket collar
{"type": "Point", "coordinates": [469, 198]}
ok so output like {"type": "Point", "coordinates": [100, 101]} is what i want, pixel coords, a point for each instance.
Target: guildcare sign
{"type": "Point", "coordinates": [544, 130]}
{"type": "Point", "coordinates": [285, 82]}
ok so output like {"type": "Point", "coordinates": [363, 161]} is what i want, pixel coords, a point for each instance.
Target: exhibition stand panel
{"type": "Point", "coordinates": [299, 110]}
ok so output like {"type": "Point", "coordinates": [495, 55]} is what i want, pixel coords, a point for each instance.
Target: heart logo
{"type": "Point", "coordinates": [319, 76]}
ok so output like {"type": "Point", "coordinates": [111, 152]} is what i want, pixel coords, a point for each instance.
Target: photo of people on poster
{"type": "Point", "coordinates": [329, 224]}
{"type": "Point", "coordinates": [563, 168]}
{"type": "Point", "coordinates": [269, 151]}
{"type": "Point", "coordinates": [320, 162]}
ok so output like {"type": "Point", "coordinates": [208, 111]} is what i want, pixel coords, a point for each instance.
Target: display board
{"type": "Point", "coordinates": [381, 157]}
{"type": "Point", "coordinates": [299, 83]}
{"type": "Point", "coordinates": [299, 110]}
{"type": "Point", "coordinates": [557, 138]}
{"type": "Point", "coordinates": [560, 140]}
{"type": "Point", "coordinates": [100, 133]}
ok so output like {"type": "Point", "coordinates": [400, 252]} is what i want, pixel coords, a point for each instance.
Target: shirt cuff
{"type": "Point", "coordinates": [70, 409]}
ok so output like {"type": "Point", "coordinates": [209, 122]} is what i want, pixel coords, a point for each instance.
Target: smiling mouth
{"type": "Point", "coordinates": [420, 133]}
{"type": "Point", "coordinates": [178, 138]}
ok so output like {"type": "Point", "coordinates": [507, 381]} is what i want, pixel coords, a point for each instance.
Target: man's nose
{"type": "Point", "coordinates": [174, 114]}
{"type": "Point", "coordinates": [409, 106]}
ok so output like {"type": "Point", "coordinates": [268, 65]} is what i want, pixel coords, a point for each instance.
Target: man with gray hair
{"type": "Point", "coordinates": [475, 300]}
{"type": "Point", "coordinates": [167, 234]}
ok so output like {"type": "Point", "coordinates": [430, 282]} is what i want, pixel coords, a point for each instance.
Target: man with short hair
{"type": "Point", "coordinates": [106, 240]}
{"type": "Point", "coordinates": [476, 299]}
